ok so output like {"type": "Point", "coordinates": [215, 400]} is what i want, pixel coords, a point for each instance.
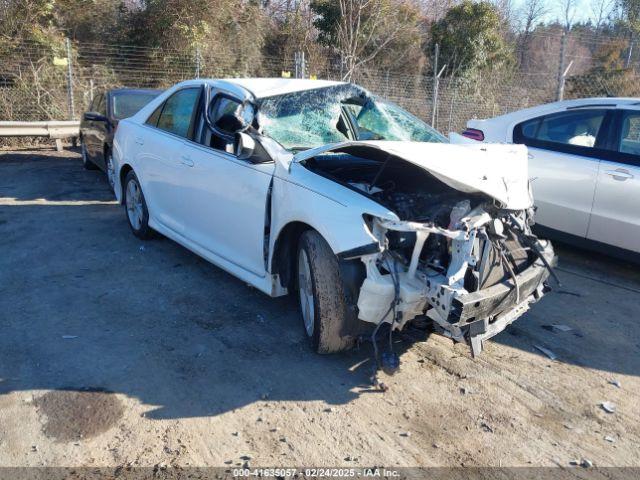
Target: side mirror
{"type": "Point", "coordinates": [95, 117]}
{"type": "Point", "coordinates": [228, 116]}
{"type": "Point", "coordinates": [244, 146]}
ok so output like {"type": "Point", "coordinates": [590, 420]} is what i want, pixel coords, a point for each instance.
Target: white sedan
{"type": "Point", "coordinates": [318, 187]}
{"type": "Point", "coordinates": [584, 162]}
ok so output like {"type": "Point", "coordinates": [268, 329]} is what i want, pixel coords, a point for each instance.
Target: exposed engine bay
{"type": "Point", "coordinates": [460, 259]}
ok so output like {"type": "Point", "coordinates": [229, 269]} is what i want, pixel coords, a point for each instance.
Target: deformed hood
{"type": "Point", "coordinates": [500, 171]}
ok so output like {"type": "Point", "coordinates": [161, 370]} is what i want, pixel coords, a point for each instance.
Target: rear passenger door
{"type": "Point", "coordinates": [164, 169]}
{"type": "Point", "coordinates": [564, 154]}
{"type": "Point", "coordinates": [615, 218]}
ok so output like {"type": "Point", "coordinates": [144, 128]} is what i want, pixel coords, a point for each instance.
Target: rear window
{"type": "Point", "coordinates": [629, 141]}
{"type": "Point", "coordinates": [128, 104]}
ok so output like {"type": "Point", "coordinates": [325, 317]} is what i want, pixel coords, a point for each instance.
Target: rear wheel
{"type": "Point", "coordinates": [86, 162]}
{"type": "Point", "coordinates": [111, 175]}
{"type": "Point", "coordinates": [136, 207]}
{"type": "Point", "coordinates": [321, 294]}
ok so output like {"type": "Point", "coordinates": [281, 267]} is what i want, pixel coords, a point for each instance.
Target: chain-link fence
{"type": "Point", "coordinates": [57, 82]}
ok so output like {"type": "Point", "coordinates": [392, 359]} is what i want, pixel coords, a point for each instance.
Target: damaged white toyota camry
{"type": "Point", "coordinates": [368, 214]}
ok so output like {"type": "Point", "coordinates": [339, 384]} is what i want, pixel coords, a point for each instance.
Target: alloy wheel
{"type": "Point", "coordinates": [305, 291]}
{"type": "Point", "coordinates": [134, 204]}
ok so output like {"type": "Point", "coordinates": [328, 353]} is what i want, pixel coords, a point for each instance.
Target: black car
{"type": "Point", "coordinates": [99, 124]}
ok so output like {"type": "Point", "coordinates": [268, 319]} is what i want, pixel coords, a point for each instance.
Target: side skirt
{"type": "Point", "coordinates": [269, 284]}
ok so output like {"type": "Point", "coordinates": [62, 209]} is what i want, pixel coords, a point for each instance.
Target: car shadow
{"type": "Point", "coordinates": [51, 176]}
{"type": "Point", "coordinates": [590, 319]}
{"type": "Point", "coordinates": [86, 305]}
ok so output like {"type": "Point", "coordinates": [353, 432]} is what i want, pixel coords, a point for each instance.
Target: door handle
{"type": "Point", "coordinates": [185, 160]}
{"type": "Point", "coordinates": [139, 141]}
{"type": "Point", "coordinates": [530, 156]}
{"type": "Point", "coordinates": [619, 174]}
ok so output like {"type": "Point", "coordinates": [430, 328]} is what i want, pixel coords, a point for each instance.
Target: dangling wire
{"type": "Point", "coordinates": [505, 262]}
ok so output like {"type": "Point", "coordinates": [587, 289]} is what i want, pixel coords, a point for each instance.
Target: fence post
{"type": "Point", "coordinates": [435, 85]}
{"type": "Point", "coordinates": [453, 99]}
{"type": "Point", "coordinates": [70, 104]}
{"type": "Point", "coordinates": [627, 62]}
{"type": "Point", "coordinates": [197, 61]}
{"type": "Point", "coordinates": [299, 64]}
{"type": "Point", "coordinates": [561, 74]}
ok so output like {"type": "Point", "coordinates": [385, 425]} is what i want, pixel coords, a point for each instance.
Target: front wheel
{"type": "Point", "coordinates": [323, 304]}
{"type": "Point", "coordinates": [136, 207]}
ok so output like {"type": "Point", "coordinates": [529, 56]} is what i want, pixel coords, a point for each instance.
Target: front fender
{"type": "Point", "coordinates": [328, 207]}
{"type": "Point", "coordinates": [121, 155]}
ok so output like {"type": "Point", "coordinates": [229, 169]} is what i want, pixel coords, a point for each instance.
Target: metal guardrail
{"type": "Point", "coordinates": [55, 129]}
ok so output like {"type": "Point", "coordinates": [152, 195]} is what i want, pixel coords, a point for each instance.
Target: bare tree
{"type": "Point", "coordinates": [434, 10]}
{"type": "Point", "coordinates": [506, 9]}
{"type": "Point", "coordinates": [568, 11]}
{"type": "Point", "coordinates": [531, 13]}
{"type": "Point", "coordinates": [601, 10]}
{"type": "Point", "coordinates": [363, 32]}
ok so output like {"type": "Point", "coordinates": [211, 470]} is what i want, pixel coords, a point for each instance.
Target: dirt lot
{"type": "Point", "coordinates": [118, 352]}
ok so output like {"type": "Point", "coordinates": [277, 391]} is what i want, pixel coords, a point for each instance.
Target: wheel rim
{"type": "Point", "coordinates": [110, 171]}
{"type": "Point", "coordinates": [305, 291]}
{"type": "Point", "coordinates": [134, 204]}
{"type": "Point", "coordinates": [83, 150]}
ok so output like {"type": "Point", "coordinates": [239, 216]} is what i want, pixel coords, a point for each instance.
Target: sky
{"type": "Point", "coordinates": [583, 11]}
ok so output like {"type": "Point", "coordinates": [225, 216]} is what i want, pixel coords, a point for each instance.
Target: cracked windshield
{"type": "Point", "coordinates": [312, 118]}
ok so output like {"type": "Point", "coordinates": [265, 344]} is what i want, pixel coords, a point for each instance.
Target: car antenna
{"type": "Point", "coordinates": [382, 167]}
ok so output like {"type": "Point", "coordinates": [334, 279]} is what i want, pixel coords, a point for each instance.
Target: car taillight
{"type": "Point", "coordinates": [474, 134]}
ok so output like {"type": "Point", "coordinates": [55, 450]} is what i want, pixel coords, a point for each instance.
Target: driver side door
{"type": "Point", "coordinates": [228, 198]}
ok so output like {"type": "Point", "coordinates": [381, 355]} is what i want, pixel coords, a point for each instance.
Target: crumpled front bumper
{"type": "Point", "coordinates": [483, 314]}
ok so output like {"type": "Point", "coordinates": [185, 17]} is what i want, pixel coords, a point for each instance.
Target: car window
{"type": "Point", "coordinates": [101, 106]}
{"type": "Point", "coordinates": [382, 120]}
{"type": "Point", "coordinates": [629, 136]}
{"type": "Point", "coordinates": [311, 118]}
{"type": "Point", "coordinates": [177, 114]}
{"type": "Point", "coordinates": [126, 104]}
{"type": "Point", "coordinates": [577, 128]}
{"type": "Point", "coordinates": [94, 103]}
{"type": "Point", "coordinates": [153, 118]}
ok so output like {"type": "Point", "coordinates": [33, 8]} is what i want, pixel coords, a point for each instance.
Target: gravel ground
{"type": "Point", "coordinates": [115, 352]}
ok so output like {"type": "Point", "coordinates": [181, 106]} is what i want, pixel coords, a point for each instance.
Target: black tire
{"type": "Point", "coordinates": [111, 176]}
{"type": "Point", "coordinates": [86, 161]}
{"type": "Point", "coordinates": [140, 229]}
{"type": "Point", "coordinates": [330, 308]}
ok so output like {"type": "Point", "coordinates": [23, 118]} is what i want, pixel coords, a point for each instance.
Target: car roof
{"type": "Point", "coordinates": [134, 90]}
{"type": "Point", "coordinates": [606, 102]}
{"type": "Point", "coordinates": [268, 87]}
